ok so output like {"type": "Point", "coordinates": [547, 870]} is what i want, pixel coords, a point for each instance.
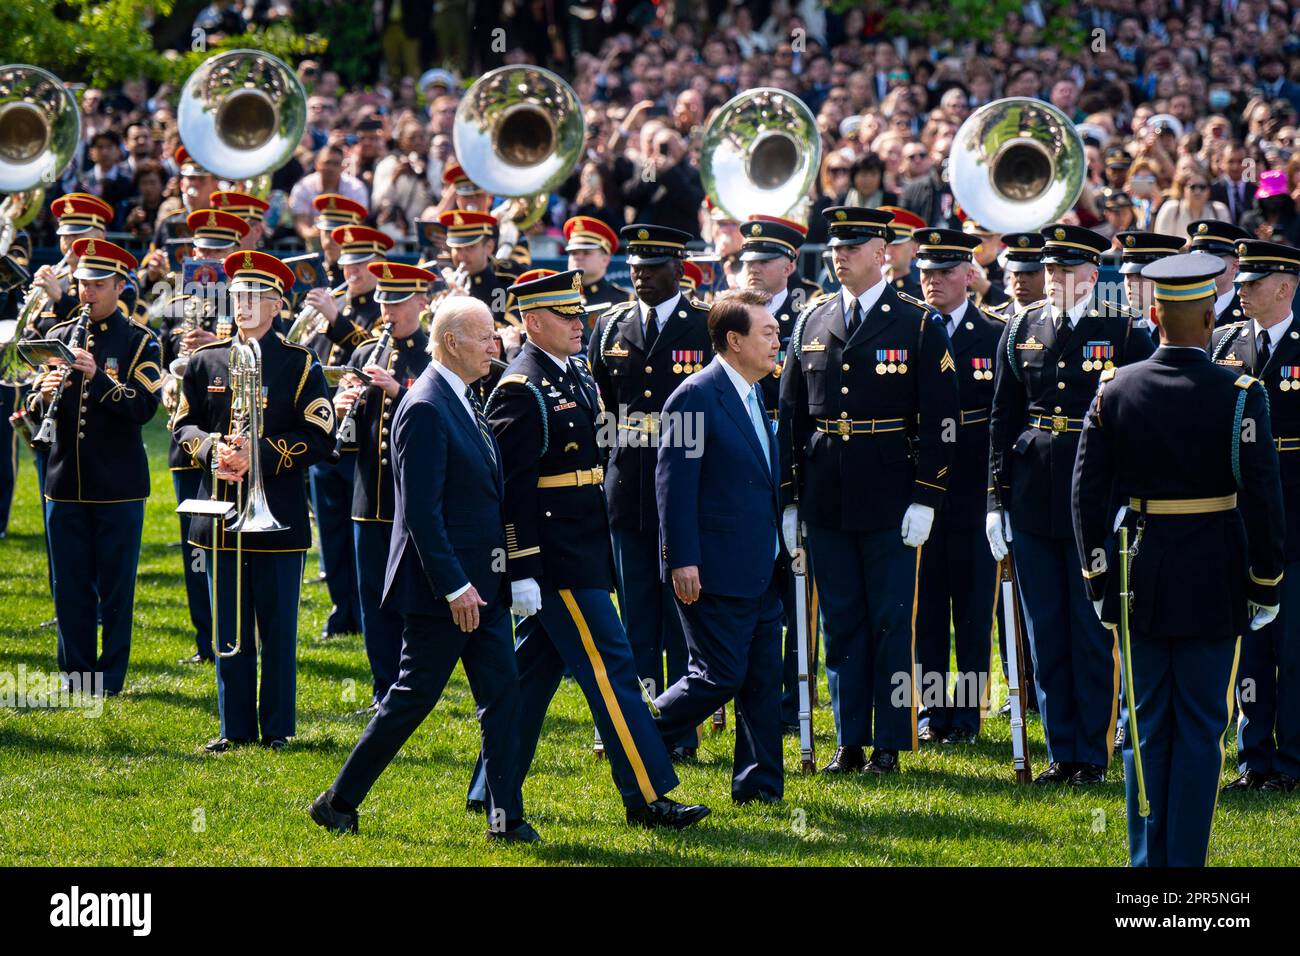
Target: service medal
{"type": "Point", "coordinates": [880, 368]}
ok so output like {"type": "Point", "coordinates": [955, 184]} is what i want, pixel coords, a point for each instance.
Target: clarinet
{"type": "Point", "coordinates": [45, 435]}
{"type": "Point", "coordinates": [348, 424]}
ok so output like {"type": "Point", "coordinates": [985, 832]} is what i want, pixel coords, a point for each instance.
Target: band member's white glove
{"type": "Point", "coordinates": [1262, 615]}
{"type": "Point", "coordinates": [789, 528]}
{"type": "Point", "coordinates": [997, 528]}
{"type": "Point", "coordinates": [917, 522]}
{"type": "Point", "coordinates": [525, 597]}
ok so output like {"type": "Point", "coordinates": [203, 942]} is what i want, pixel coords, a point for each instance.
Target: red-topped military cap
{"type": "Point", "coordinates": [692, 276]}
{"type": "Point", "coordinates": [333, 210]}
{"type": "Point", "coordinates": [465, 226]}
{"type": "Point", "coordinates": [904, 223]}
{"type": "Point", "coordinates": [588, 232]}
{"type": "Point", "coordinates": [534, 274]}
{"type": "Point", "coordinates": [243, 205]}
{"type": "Point", "coordinates": [81, 212]}
{"type": "Point", "coordinates": [455, 177]}
{"type": "Point", "coordinates": [253, 271]}
{"type": "Point", "coordinates": [214, 230]}
{"type": "Point", "coordinates": [185, 163]}
{"type": "Point", "coordinates": [360, 243]}
{"type": "Point", "coordinates": [100, 259]}
{"type": "Point", "coordinates": [398, 282]}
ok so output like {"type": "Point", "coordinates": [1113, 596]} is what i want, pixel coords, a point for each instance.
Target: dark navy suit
{"type": "Point", "coordinates": [448, 530]}
{"type": "Point", "coordinates": [719, 510]}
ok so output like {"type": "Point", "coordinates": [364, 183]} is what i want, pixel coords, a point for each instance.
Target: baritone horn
{"type": "Point", "coordinates": [1016, 164]}
{"type": "Point", "coordinates": [242, 114]}
{"type": "Point", "coordinates": [760, 154]}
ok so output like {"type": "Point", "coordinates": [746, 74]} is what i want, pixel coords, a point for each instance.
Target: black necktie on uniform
{"type": "Point", "coordinates": [1263, 352]}
{"type": "Point", "coordinates": [651, 329]}
{"type": "Point", "coordinates": [855, 316]}
{"type": "Point", "coordinates": [1063, 324]}
{"type": "Point", "coordinates": [483, 429]}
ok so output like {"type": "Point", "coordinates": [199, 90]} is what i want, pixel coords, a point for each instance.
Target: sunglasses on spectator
{"type": "Point", "coordinates": [1198, 187]}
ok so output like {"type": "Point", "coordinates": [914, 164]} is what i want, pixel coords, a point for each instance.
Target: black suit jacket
{"type": "Point", "coordinates": [449, 524]}
{"type": "Point", "coordinates": [1219, 193]}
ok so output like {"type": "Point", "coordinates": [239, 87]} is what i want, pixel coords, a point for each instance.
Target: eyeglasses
{"type": "Point", "coordinates": [1198, 187]}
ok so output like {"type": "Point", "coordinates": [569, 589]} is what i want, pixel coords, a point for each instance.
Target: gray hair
{"type": "Point", "coordinates": [451, 316]}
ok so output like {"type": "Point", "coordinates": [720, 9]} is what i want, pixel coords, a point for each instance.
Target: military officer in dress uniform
{"type": "Point", "coordinates": [1204, 515]}
{"type": "Point", "coordinates": [1220, 239]}
{"type": "Point", "coordinates": [392, 359]}
{"type": "Point", "coordinates": [641, 351]}
{"type": "Point", "coordinates": [80, 216]}
{"type": "Point", "coordinates": [469, 239]}
{"type": "Point", "coordinates": [1139, 249]}
{"type": "Point", "coordinates": [347, 320]}
{"type": "Point", "coordinates": [589, 243]}
{"type": "Point", "coordinates": [333, 212]}
{"type": "Point", "coordinates": [1049, 361]}
{"type": "Point", "coordinates": [958, 574]}
{"type": "Point", "coordinates": [97, 477]}
{"type": "Point", "coordinates": [248, 208]}
{"type": "Point", "coordinates": [297, 430]}
{"type": "Point", "coordinates": [868, 393]}
{"type": "Point", "coordinates": [901, 250]}
{"type": "Point", "coordinates": [1264, 346]}
{"type": "Point", "coordinates": [545, 416]}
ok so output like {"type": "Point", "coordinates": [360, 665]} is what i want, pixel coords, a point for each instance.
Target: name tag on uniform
{"type": "Point", "coordinates": [1230, 360]}
{"type": "Point", "coordinates": [617, 350]}
{"type": "Point", "coordinates": [816, 345]}
{"type": "Point", "coordinates": [1030, 343]}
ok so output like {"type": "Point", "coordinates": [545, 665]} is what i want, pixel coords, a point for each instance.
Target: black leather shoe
{"type": "Point", "coordinates": [882, 762]}
{"type": "Point", "coordinates": [1004, 710]}
{"type": "Point", "coordinates": [1056, 773]}
{"type": "Point", "coordinates": [1280, 783]}
{"type": "Point", "coordinates": [1250, 780]}
{"type": "Point", "coordinates": [52, 622]}
{"type": "Point", "coordinates": [1120, 735]}
{"type": "Point", "coordinates": [957, 737]}
{"type": "Point", "coordinates": [276, 743]}
{"type": "Point", "coordinates": [325, 814]}
{"type": "Point", "coordinates": [367, 711]}
{"type": "Point", "coordinates": [195, 659]}
{"type": "Point", "coordinates": [222, 744]}
{"type": "Point", "coordinates": [846, 760]}
{"type": "Point", "coordinates": [1088, 773]}
{"type": "Point", "coordinates": [682, 755]}
{"type": "Point", "coordinates": [928, 735]}
{"type": "Point", "coordinates": [762, 796]}
{"type": "Point", "coordinates": [475, 806]}
{"type": "Point", "coordinates": [668, 814]}
{"type": "Point", "coordinates": [521, 832]}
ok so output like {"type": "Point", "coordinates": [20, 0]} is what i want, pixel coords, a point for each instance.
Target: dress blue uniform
{"type": "Point", "coordinates": [1268, 689]}
{"type": "Point", "coordinates": [97, 476]}
{"type": "Point", "coordinates": [297, 430]}
{"type": "Point", "coordinates": [636, 369]}
{"type": "Point", "coordinates": [869, 388]}
{"type": "Point", "coordinates": [1043, 383]}
{"type": "Point", "coordinates": [1219, 239]}
{"type": "Point", "coordinates": [958, 582]}
{"type": "Point", "coordinates": [1205, 536]}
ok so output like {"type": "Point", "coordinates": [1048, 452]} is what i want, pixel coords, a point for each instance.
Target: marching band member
{"type": "Point", "coordinates": [392, 359]}
{"type": "Point", "coordinates": [958, 574]}
{"type": "Point", "coordinates": [1220, 239]}
{"type": "Point", "coordinates": [901, 250]}
{"type": "Point", "coordinates": [589, 243]}
{"type": "Point", "coordinates": [248, 208]}
{"type": "Point", "coordinates": [81, 216]}
{"type": "Point", "coordinates": [692, 278]}
{"type": "Point", "coordinates": [545, 414]}
{"type": "Point", "coordinates": [1049, 361]}
{"type": "Point", "coordinates": [1204, 517]}
{"type": "Point", "coordinates": [642, 350]}
{"type": "Point", "coordinates": [469, 239]}
{"type": "Point", "coordinates": [197, 186]}
{"type": "Point", "coordinates": [444, 577]}
{"type": "Point", "coordinates": [1264, 345]}
{"type": "Point", "coordinates": [332, 212]}
{"type": "Point", "coordinates": [297, 430]}
{"type": "Point", "coordinates": [849, 424]}
{"type": "Point", "coordinates": [97, 477]}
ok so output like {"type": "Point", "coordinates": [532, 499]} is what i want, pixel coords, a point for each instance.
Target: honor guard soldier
{"type": "Point", "coordinates": [97, 477]}
{"type": "Point", "coordinates": [801, 290]}
{"type": "Point", "coordinates": [589, 243]}
{"type": "Point", "coordinates": [469, 239]}
{"type": "Point", "coordinates": [641, 351]}
{"type": "Point", "coordinates": [988, 280]}
{"type": "Point", "coordinates": [347, 318]}
{"type": "Point", "coordinates": [901, 250]}
{"type": "Point", "coordinates": [333, 212]}
{"type": "Point", "coordinates": [248, 208]}
{"type": "Point", "coordinates": [1220, 239]}
{"type": "Point", "coordinates": [1024, 272]}
{"type": "Point", "coordinates": [958, 574]}
{"type": "Point", "coordinates": [869, 413]}
{"type": "Point", "coordinates": [1267, 346]}
{"type": "Point", "coordinates": [392, 360]}
{"type": "Point", "coordinates": [1049, 362]}
{"type": "Point", "coordinates": [545, 414]}
{"type": "Point", "coordinates": [1204, 516]}
{"type": "Point", "coordinates": [297, 429]}
{"type": "Point", "coordinates": [1139, 249]}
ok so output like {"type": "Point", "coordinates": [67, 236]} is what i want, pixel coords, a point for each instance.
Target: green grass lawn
{"type": "Point", "coordinates": [134, 786]}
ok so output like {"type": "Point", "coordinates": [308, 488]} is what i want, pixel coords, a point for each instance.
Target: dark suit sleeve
{"type": "Point", "coordinates": [1006, 419]}
{"type": "Point", "coordinates": [313, 439]}
{"type": "Point", "coordinates": [940, 416]}
{"type": "Point", "coordinates": [420, 456]}
{"type": "Point", "coordinates": [677, 481]}
{"type": "Point", "coordinates": [1261, 500]}
{"type": "Point", "coordinates": [793, 426]}
{"type": "Point", "coordinates": [516, 421]}
{"type": "Point", "coordinates": [1139, 344]}
{"type": "Point", "coordinates": [1090, 499]}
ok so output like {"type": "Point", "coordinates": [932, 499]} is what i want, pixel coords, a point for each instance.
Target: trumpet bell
{"type": "Point", "coordinates": [760, 154]}
{"type": "Point", "coordinates": [519, 131]}
{"type": "Point", "coordinates": [242, 114]}
{"type": "Point", "coordinates": [1016, 164]}
{"type": "Point", "coordinates": [40, 126]}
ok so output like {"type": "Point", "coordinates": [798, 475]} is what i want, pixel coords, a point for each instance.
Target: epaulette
{"type": "Point", "coordinates": [699, 304]}
{"type": "Point", "coordinates": [1107, 374]}
{"type": "Point", "coordinates": [500, 274]}
{"type": "Point", "coordinates": [53, 328]}
{"type": "Point", "coordinates": [339, 293]}
{"type": "Point", "coordinates": [516, 378]}
{"type": "Point", "coordinates": [989, 311]}
{"type": "Point", "coordinates": [914, 301]}
{"type": "Point", "coordinates": [211, 345]}
{"type": "Point", "coordinates": [819, 298]}
{"type": "Point", "coordinates": [630, 303]}
{"type": "Point", "coordinates": [293, 345]}
{"type": "Point", "coordinates": [1245, 381]}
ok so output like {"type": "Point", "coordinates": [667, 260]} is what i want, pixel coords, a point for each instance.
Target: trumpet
{"type": "Point", "coordinates": [45, 434]}
{"type": "Point", "coordinates": [306, 322]}
{"type": "Point", "coordinates": [36, 299]}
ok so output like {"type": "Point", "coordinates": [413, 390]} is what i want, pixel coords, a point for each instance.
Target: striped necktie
{"type": "Point", "coordinates": [483, 428]}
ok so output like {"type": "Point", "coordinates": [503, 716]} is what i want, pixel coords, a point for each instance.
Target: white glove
{"type": "Point", "coordinates": [789, 528]}
{"type": "Point", "coordinates": [1119, 517]}
{"type": "Point", "coordinates": [525, 597]}
{"type": "Point", "coordinates": [917, 522]}
{"type": "Point", "coordinates": [1262, 615]}
{"type": "Point", "coordinates": [997, 528]}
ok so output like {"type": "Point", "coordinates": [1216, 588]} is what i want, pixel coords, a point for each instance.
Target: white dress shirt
{"type": "Point", "coordinates": [774, 304]}
{"type": "Point", "coordinates": [662, 311]}
{"type": "Point", "coordinates": [1075, 312]}
{"type": "Point", "coordinates": [955, 317]}
{"type": "Point", "coordinates": [1222, 302]}
{"type": "Point", "coordinates": [1275, 334]}
{"type": "Point", "coordinates": [458, 386]}
{"type": "Point", "coordinates": [866, 302]}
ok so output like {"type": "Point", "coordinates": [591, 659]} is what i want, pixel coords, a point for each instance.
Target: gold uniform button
{"type": "Point", "coordinates": [648, 369]}
{"type": "Point", "coordinates": [383, 446]}
{"type": "Point", "coordinates": [1056, 410]}
{"type": "Point", "coordinates": [383, 461]}
{"type": "Point", "coordinates": [844, 390]}
{"type": "Point", "coordinates": [845, 367]}
{"type": "Point", "coordinates": [81, 434]}
{"type": "Point", "coordinates": [844, 414]}
{"type": "Point", "coordinates": [647, 393]}
{"type": "Point", "coordinates": [1060, 385]}
{"type": "Point", "coordinates": [1060, 365]}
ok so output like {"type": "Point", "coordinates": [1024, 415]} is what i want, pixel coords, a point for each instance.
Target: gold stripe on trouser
{"type": "Point", "coordinates": [1223, 753]}
{"type": "Point", "coordinates": [1114, 707]}
{"type": "Point", "coordinates": [607, 694]}
{"type": "Point", "coordinates": [916, 698]}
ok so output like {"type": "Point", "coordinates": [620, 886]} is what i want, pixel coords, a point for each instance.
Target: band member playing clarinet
{"type": "Point", "coordinates": [297, 429]}
{"type": "Point", "coordinates": [98, 473]}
